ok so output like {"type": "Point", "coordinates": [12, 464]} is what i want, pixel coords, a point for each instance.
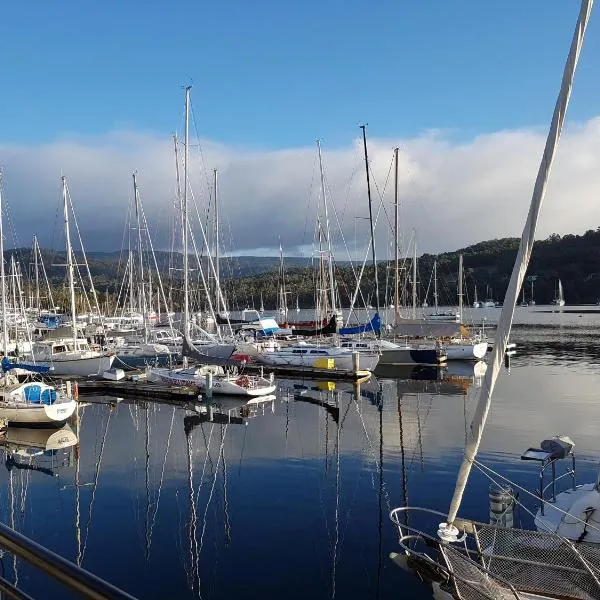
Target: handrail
{"type": "Point", "coordinates": [59, 568]}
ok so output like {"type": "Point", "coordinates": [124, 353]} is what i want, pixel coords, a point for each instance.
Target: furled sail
{"type": "Point", "coordinates": [447, 530]}
{"type": "Point", "coordinates": [191, 351]}
{"type": "Point", "coordinates": [373, 326]}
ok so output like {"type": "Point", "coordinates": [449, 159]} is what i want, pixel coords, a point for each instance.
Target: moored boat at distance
{"type": "Point", "coordinates": [229, 385]}
{"type": "Point", "coordinates": [303, 354]}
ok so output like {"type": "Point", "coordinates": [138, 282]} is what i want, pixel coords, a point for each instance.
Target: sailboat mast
{"type": "Point", "coordinates": [329, 250]}
{"type": "Point", "coordinates": [70, 266]}
{"type": "Point", "coordinates": [184, 208]}
{"type": "Point", "coordinates": [447, 531]}
{"type": "Point", "coordinates": [435, 290]}
{"type": "Point", "coordinates": [396, 249]}
{"type": "Point", "coordinates": [3, 280]}
{"type": "Point", "coordinates": [364, 133]}
{"type": "Point", "coordinates": [217, 273]}
{"type": "Point", "coordinates": [414, 282]}
{"type": "Point", "coordinates": [37, 271]}
{"type": "Point", "coordinates": [460, 287]}
{"type": "Point", "coordinates": [143, 308]}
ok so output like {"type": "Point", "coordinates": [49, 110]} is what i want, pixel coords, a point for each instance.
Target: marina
{"type": "Point", "coordinates": [254, 347]}
{"type": "Point", "coordinates": [323, 463]}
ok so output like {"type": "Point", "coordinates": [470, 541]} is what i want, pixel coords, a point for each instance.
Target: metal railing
{"type": "Point", "coordinates": [69, 574]}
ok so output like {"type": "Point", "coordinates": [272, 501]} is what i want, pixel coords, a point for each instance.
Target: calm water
{"type": "Point", "coordinates": [290, 498]}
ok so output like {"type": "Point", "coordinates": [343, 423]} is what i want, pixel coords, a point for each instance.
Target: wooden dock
{"type": "Point", "coordinates": [141, 389]}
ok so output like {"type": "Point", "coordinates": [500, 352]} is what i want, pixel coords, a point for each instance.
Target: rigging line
{"type": "Point", "coordinates": [338, 439]}
{"type": "Point", "coordinates": [94, 487]}
{"type": "Point", "coordinates": [162, 475]}
{"type": "Point", "coordinates": [370, 445]}
{"type": "Point", "coordinates": [207, 457]}
{"type": "Point", "coordinates": [209, 500]}
{"type": "Point", "coordinates": [486, 470]}
{"type": "Point", "coordinates": [193, 543]}
{"type": "Point", "coordinates": [85, 260]}
{"type": "Point", "coordinates": [147, 481]}
{"type": "Point", "coordinates": [226, 501]}
{"type": "Point", "coordinates": [310, 194]}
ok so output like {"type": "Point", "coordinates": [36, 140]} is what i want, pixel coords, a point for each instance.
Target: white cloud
{"type": "Point", "coordinates": [453, 193]}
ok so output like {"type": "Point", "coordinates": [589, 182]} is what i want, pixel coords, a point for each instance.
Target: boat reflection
{"type": "Point", "coordinates": [23, 444]}
{"type": "Point", "coordinates": [225, 410]}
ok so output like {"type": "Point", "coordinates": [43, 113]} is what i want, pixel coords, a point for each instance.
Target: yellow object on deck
{"type": "Point", "coordinates": [324, 363]}
{"type": "Point", "coordinates": [326, 386]}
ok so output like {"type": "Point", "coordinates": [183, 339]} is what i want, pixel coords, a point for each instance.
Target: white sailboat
{"type": "Point", "coordinates": [30, 402]}
{"type": "Point", "coordinates": [472, 347]}
{"type": "Point", "coordinates": [73, 355]}
{"type": "Point", "coordinates": [476, 303]}
{"type": "Point", "coordinates": [230, 384]}
{"type": "Point", "coordinates": [560, 298]}
{"type": "Point", "coordinates": [468, 559]}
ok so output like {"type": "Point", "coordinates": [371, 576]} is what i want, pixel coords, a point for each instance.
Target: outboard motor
{"type": "Point", "coordinates": [560, 446]}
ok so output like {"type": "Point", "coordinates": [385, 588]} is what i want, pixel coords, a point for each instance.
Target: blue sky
{"type": "Point", "coordinates": [278, 74]}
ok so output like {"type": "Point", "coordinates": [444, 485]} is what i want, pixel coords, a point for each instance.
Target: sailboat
{"type": "Point", "coordinates": [72, 355]}
{"type": "Point", "coordinates": [230, 384]}
{"type": "Point", "coordinates": [560, 299]}
{"type": "Point", "coordinates": [472, 347]}
{"type": "Point", "coordinates": [138, 351]}
{"type": "Point", "coordinates": [476, 303]}
{"type": "Point", "coordinates": [29, 402]}
{"type": "Point", "coordinates": [467, 559]}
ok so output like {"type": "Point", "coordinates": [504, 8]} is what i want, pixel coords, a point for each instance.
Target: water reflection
{"type": "Point", "coordinates": [292, 492]}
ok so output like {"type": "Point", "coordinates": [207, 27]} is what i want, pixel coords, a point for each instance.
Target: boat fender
{"type": "Point", "coordinates": [243, 381]}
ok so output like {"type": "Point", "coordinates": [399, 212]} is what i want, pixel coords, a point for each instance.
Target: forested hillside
{"type": "Point", "coordinates": [575, 259]}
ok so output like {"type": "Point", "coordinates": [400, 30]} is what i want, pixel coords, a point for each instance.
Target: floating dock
{"type": "Point", "coordinates": [309, 372]}
{"type": "Point", "coordinates": [137, 388]}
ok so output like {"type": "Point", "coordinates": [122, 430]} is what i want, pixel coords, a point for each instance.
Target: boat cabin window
{"type": "Point", "coordinates": [58, 348]}
{"type": "Point", "coordinates": [318, 352]}
{"type": "Point", "coordinates": [299, 351]}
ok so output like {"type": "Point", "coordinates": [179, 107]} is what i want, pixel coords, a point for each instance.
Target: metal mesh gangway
{"type": "Point", "coordinates": [498, 563]}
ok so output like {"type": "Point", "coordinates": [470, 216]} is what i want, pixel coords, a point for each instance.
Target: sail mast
{"type": "Point", "coordinates": [414, 282]}
{"type": "Point", "coordinates": [447, 531]}
{"type": "Point", "coordinates": [435, 290]}
{"type": "Point", "coordinates": [364, 133]}
{"type": "Point", "coordinates": [37, 271]}
{"type": "Point", "coordinates": [142, 292]}
{"type": "Point", "coordinates": [329, 250]}
{"type": "Point", "coordinates": [217, 272]}
{"type": "Point", "coordinates": [3, 280]}
{"type": "Point", "coordinates": [396, 249]}
{"type": "Point", "coordinates": [460, 287]}
{"type": "Point", "coordinates": [184, 214]}
{"type": "Point", "coordinates": [70, 266]}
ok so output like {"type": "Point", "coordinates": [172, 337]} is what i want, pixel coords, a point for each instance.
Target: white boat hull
{"type": "Point", "coordinates": [344, 362]}
{"type": "Point", "coordinates": [82, 367]}
{"type": "Point", "coordinates": [239, 385]}
{"type": "Point", "coordinates": [25, 412]}
{"type": "Point", "coordinates": [466, 351]}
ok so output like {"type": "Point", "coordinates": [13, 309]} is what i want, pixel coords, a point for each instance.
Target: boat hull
{"type": "Point", "coordinates": [466, 351]}
{"type": "Point", "coordinates": [37, 414]}
{"type": "Point", "coordinates": [344, 362]}
{"type": "Point", "coordinates": [239, 385]}
{"type": "Point", "coordinates": [411, 356]}
{"type": "Point", "coordinates": [82, 367]}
